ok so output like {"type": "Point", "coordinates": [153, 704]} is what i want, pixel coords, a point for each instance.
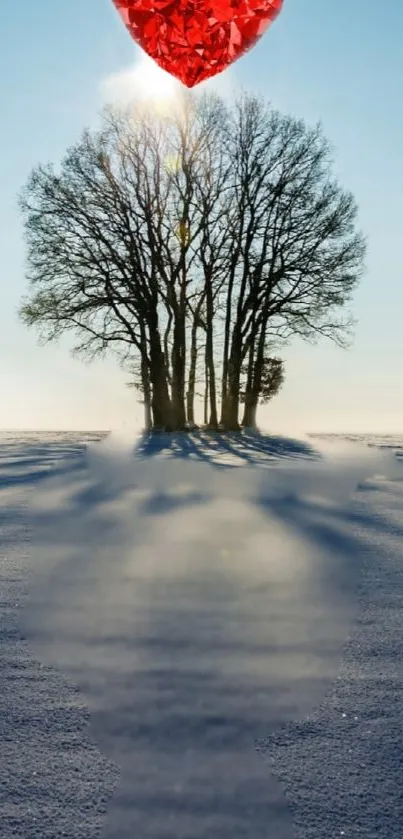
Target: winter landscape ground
{"type": "Point", "coordinates": [201, 638]}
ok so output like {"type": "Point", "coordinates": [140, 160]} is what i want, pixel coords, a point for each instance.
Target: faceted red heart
{"type": "Point", "coordinates": [196, 39]}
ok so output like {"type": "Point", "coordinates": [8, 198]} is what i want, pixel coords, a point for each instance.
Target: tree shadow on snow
{"type": "Point", "coordinates": [194, 636]}
{"type": "Point", "coordinates": [244, 447]}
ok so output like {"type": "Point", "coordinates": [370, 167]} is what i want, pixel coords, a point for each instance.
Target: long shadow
{"type": "Point", "coordinates": [161, 503]}
{"type": "Point", "coordinates": [359, 727]}
{"type": "Point", "coordinates": [21, 469]}
{"type": "Point", "coordinates": [170, 693]}
{"type": "Point", "coordinates": [34, 477]}
{"type": "Point", "coordinates": [174, 704]}
{"type": "Point", "coordinates": [253, 449]}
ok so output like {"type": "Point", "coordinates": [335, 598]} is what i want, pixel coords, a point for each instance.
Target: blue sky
{"type": "Point", "coordinates": [337, 62]}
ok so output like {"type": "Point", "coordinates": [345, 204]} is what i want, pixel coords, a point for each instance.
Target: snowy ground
{"type": "Point", "coordinates": [202, 641]}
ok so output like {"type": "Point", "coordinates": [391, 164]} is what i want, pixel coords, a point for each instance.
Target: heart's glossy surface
{"type": "Point", "coordinates": [195, 39]}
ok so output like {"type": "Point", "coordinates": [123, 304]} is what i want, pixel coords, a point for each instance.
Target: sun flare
{"type": "Point", "coordinates": [145, 82]}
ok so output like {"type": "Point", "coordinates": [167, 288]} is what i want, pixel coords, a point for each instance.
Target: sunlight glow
{"type": "Point", "coordinates": [145, 82]}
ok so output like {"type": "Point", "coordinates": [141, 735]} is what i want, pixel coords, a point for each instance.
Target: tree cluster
{"type": "Point", "coordinates": [193, 245]}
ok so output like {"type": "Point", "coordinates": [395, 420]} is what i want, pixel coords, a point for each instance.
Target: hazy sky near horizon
{"type": "Point", "coordinates": [337, 62]}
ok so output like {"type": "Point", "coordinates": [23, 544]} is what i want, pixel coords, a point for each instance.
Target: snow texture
{"type": "Point", "coordinates": [200, 637]}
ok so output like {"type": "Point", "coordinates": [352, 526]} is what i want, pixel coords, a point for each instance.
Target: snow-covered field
{"type": "Point", "coordinates": [201, 639]}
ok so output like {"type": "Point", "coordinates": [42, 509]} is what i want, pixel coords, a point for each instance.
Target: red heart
{"type": "Point", "coordinates": [195, 39]}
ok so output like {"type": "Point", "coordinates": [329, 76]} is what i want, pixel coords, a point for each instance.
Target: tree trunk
{"type": "Point", "coordinates": [230, 401]}
{"type": "Point", "coordinates": [167, 335]}
{"type": "Point", "coordinates": [224, 382]}
{"type": "Point", "coordinates": [145, 381]}
{"type": "Point", "coordinates": [250, 410]}
{"type": "Point", "coordinates": [230, 407]}
{"type": "Point", "coordinates": [160, 403]}
{"type": "Point", "coordinates": [148, 423]}
{"type": "Point", "coordinates": [227, 336]}
{"type": "Point", "coordinates": [249, 414]}
{"type": "Point", "coordinates": [190, 396]}
{"type": "Point", "coordinates": [213, 421]}
{"type": "Point", "coordinates": [206, 393]}
{"type": "Point", "coordinates": [179, 358]}
{"type": "Point", "coordinates": [178, 380]}
{"type": "Point", "coordinates": [252, 395]}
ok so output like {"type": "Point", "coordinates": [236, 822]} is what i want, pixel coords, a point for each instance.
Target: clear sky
{"type": "Point", "coordinates": [337, 62]}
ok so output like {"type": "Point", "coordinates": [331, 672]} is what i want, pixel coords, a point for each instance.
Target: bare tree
{"type": "Point", "coordinates": [185, 243]}
{"type": "Point", "coordinates": [296, 256]}
{"type": "Point", "coordinates": [263, 381]}
{"type": "Point", "coordinates": [112, 242]}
